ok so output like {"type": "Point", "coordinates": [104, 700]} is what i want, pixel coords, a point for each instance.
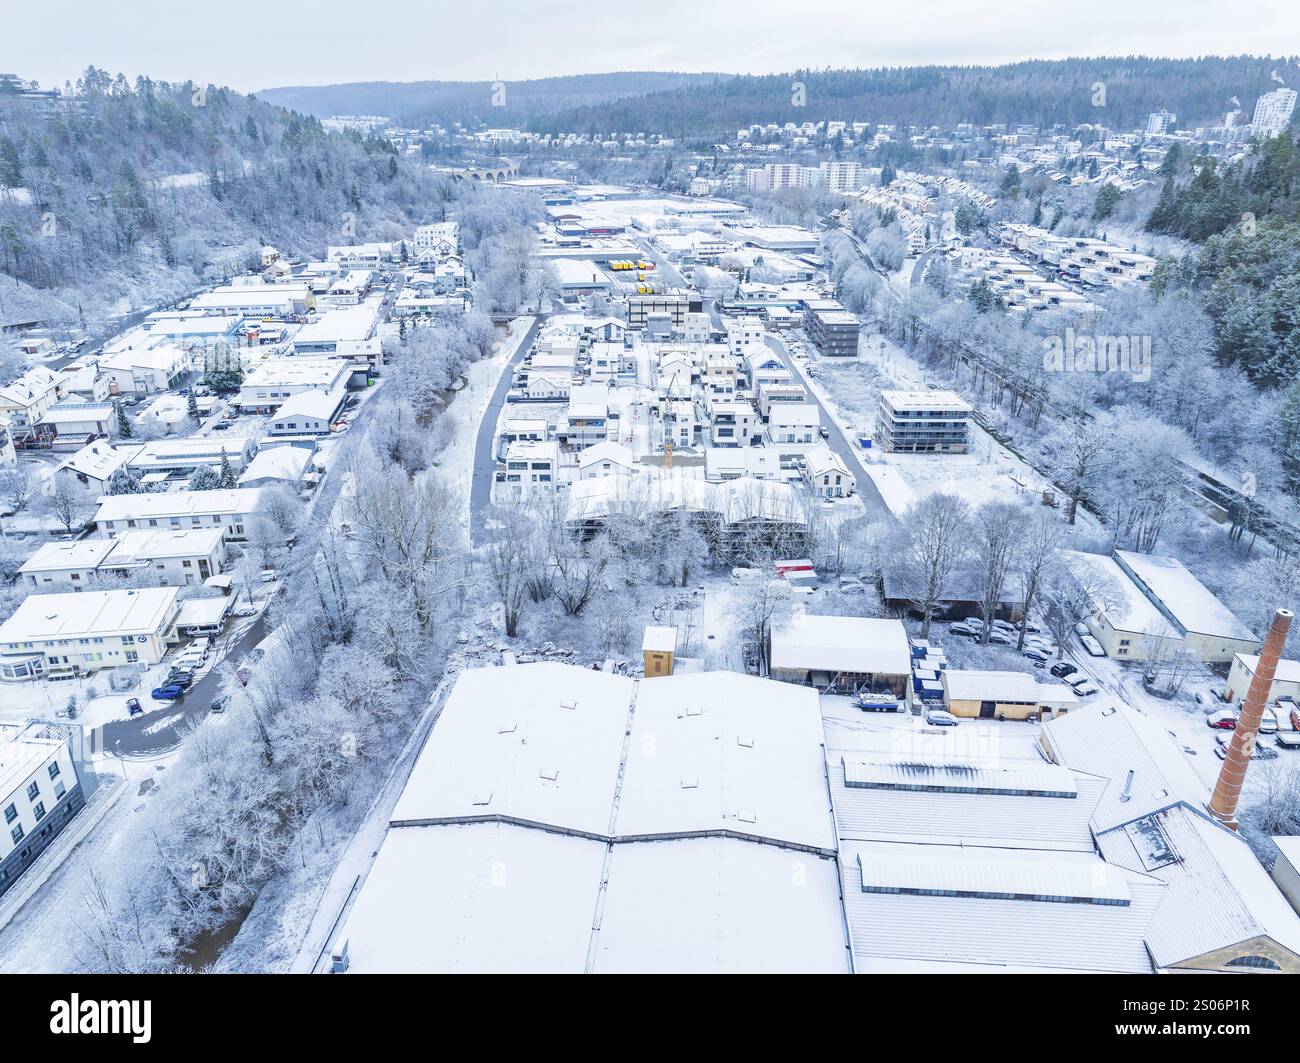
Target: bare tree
{"type": "Point", "coordinates": [17, 485]}
{"type": "Point", "coordinates": [1081, 449]}
{"type": "Point", "coordinates": [933, 547]}
{"type": "Point", "coordinates": [507, 558]}
{"type": "Point", "coordinates": [996, 540]}
{"type": "Point", "coordinates": [1039, 552]}
{"type": "Point", "coordinates": [66, 506]}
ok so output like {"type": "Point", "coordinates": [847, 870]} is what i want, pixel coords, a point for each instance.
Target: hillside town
{"type": "Point", "coordinates": [836, 548]}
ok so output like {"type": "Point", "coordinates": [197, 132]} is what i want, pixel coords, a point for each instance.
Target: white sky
{"type": "Point", "coordinates": [253, 44]}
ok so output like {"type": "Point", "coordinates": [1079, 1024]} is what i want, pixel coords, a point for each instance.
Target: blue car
{"type": "Point", "coordinates": [167, 692]}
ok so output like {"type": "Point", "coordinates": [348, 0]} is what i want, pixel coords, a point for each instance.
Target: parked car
{"type": "Point", "coordinates": [1081, 629]}
{"type": "Point", "coordinates": [167, 692]}
{"type": "Point", "coordinates": [961, 628]}
{"type": "Point", "coordinates": [1224, 720]}
{"type": "Point", "coordinates": [1032, 627]}
{"type": "Point", "coordinates": [824, 432]}
{"type": "Point", "coordinates": [974, 621]}
{"type": "Point", "coordinates": [1063, 668]}
{"type": "Point", "coordinates": [849, 585]}
{"type": "Point", "coordinates": [219, 703]}
{"type": "Point", "coordinates": [133, 707]}
{"type": "Point", "coordinates": [999, 638]}
{"type": "Point", "coordinates": [1260, 752]}
{"type": "Point", "coordinates": [1268, 722]}
{"type": "Point", "coordinates": [269, 576]}
{"type": "Point", "coordinates": [940, 718]}
{"type": "Point", "coordinates": [1086, 689]}
{"type": "Point", "coordinates": [1035, 654]}
{"type": "Point", "coordinates": [1092, 646]}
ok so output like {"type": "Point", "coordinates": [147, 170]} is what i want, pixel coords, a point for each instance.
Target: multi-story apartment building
{"type": "Point", "coordinates": [833, 329]}
{"type": "Point", "coordinates": [842, 175]}
{"type": "Point", "coordinates": [40, 792]}
{"type": "Point", "coordinates": [1273, 112]}
{"type": "Point", "coordinates": [923, 422]}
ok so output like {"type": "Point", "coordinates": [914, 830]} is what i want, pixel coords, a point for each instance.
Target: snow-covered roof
{"type": "Point", "coordinates": [89, 614]}
{"type": "Point", "coordinates": [1117, 596]}
{"type": "Point", "coordinates": [842, 644]}
{"type": "Point", "coordinates": [659, 639]}
{"type": "Point", "coordinates": [177, 503]}
{"type": "Point", "coordinates": [1185, 597]}
{"type": "Point", "coordinates": [921, 794]}
{"type": "Point", "coordinates": [615, 453]}
{"type": "Point", "coordinates": [955, 904]}
{"type": "Point", "coordinates": [315, 403]}
{"type": "Point", "coordinates": [744, 498]}
{"type": "Point", "coordinates": [1288, 671]}
{"type": "Point", "coordinates": [973, 685]}
{"type": "Point", "coordinates": [1155, 821]}
{"type": "Point", "coordinates": [59, 557]}
{"type": "Point", "coordinates": [277, 463]}
{"type": "Point", "coordinates": [563, 819]}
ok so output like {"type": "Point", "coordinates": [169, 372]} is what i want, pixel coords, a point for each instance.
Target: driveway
{"type": "Point", "coordinates": [485, 459]}
{"type": "Point", "coordinates": [838, 441]}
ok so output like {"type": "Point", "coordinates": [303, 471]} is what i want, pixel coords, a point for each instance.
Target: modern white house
{"type": "Point", "coordinates": [282, 464]}
{"type": "Point", "coordinates": [145, 371]}
{"type": "Point", "coordinates": [606, 459]}
{"type": "Point", "coordinates": [308, 413]}
{"type": "Point", "coordinates": [90, 469]}
{"type": "Point", "coordinates": [276, 380]}
{"type": "Point", "coordinates": [67, 634]}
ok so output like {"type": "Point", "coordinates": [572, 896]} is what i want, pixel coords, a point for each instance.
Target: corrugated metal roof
{"type": "Point", "coordinates": [1024, 778]}
{"type": "Point", "coordinates": [994, 874]}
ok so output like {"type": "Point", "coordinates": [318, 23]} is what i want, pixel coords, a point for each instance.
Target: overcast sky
{"type": "Point", "coordinates": [254, 44]}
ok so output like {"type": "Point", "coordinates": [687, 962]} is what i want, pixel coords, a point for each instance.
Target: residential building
{"type": "Point", "coordinates": [1160, 122]}
{"type": "Point", "coordinates": [923, 422]}
{"type": "Point", "coordinates": [529, 467]}
{"type": "Point", "coordinates": [146, 371]}
{"type": "Point", "coordinates": [1286, 680]}
{"type": "Point", "coordinates": [178, 510]}
{"type": "Point", "coordinates": [267, 387]}
{"type": "Point", "coordinates": [26, 400]}
{"type": "Point", "coordinates": [793, 422]}
{"type": "Point", "coordinates": [606, 459]}
{"type": "Point", "coordinates": [826, 474]}
{"type": "Point", "coordinates": [65, 634]}
{"type": "Point", "coordinates": [181, 458]}
{"type": "Point", "coordinates": [310, 413]}
{"type": "Point", "coordinates": [290, 465]}
{"type": "Point", "coordinates": [40, 792]}
{"type": "Point", "coordinates": [732, 423]}
{"type": "Point", "coordinates": [91, 468]}
{"type": "Point", "coordinates": [842, 175]}
{"type": "Point", "coordinates": [1273, 113]}
{"type": "Point", "coordinates": [833, 331]}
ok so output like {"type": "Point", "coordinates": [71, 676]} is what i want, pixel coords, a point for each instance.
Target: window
{"type": "Point", "coordinates": [33, 791]}
{"type": "Point", "coordinates": [54, 770]}
{"type": "Point", "coordinates": [59, 789]}
{"type": "Point", "coordinates": [17, 834]}
{"type": "Point", "coordinates": [38, 810]}
{"type": "Point", "coordinates": [11, 813]}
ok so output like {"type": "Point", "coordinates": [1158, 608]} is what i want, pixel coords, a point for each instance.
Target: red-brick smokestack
{"type": "Point", "coordinates": [1223, 802]}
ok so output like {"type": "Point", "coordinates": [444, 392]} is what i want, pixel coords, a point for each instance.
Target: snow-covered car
{"type": "Point", "coordinates": [1092, 646]}
{"type": "Point", "coordinates": [974, 621]}
{"type": "Point", "coordinates": [868, 702]}
{"type": "Point", "coordinates": [849, 585]}
{"type": "Point", "coordinates": [961, 628]}
{"type": "Point", "coordinates": [1260, 752]}
{"type": "Point", "coordinates": [1223, 720]}
{"type": "Point", "coordinates": [1086, 689]}
{"type": "Point", "coordinates": [1268, 722]}
{"type": "Point", "coordinates": [1061, 669]}
{"type": "Point", "coordinates": [1035, 654]}
{"type": "Point", "coordinates": [1081, 629]}
{"type": "Point", "coordinates": [940, 718]}
{"type": "Point", "coordinates": [999, 638]}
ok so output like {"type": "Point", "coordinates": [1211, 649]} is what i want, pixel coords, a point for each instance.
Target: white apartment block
{"type": "Point", "coordinates": [40, 792]}
{"type": "Point", "coordinates": [229, 511]}
{"type": "Point", "coordinates": [840, 175]}
{"type": "Point", "coordinates": [171, 558]}
{"type": "Point", "coordinates": [1273, 113]}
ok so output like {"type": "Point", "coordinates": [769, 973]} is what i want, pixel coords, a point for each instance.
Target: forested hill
{"type": "Point", "coordinates": [424, 103]}
{"type": "Point", "coordinates": [134, 192]}
{"type": "Point", "coordinates": [1041, 92]}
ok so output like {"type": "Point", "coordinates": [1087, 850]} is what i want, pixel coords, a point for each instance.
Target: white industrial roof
{"type": "Point", "coordinates": [1118, 597]}
{"type": "Point", "coordinates": [314, 403]}
{"type": "Point", "coordinates": [842, 644]}
{"type": "Point", "coordinates": [296, 371]}
{"type": "Point", "coordinates": [948, 401]}
{"type": "Point", "coordinates": [1288, 671]}
{"type": "Point", "coordinates": [1187, 598]}
{"type": "Point", "coordinates": [630, 835]}
{"type": "Point", "coordinates": [920, 797]}
{"type": "Point", "coordinates": [719, 905]}
{"type": "Point", "coordinates": [539, 742]}
{"type": "Point", "coordinates": [981, 924]}
{"type": "Point", "coordinates": [721, 751]}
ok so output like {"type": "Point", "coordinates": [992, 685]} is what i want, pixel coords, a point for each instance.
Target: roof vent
{"type": "Point", "coordinates": [694, 710]}
{"type": "Point", "coordinates": [745, 815]}
{"type": "Point", "coordinates": [745, 740]}
{"type": "Point", "coordinates": [507, 728]}
{"type": "Point", "coordinates": [1127, 793]}
{"type": "Point", "coordinates": [572, 707]}
{"type": "Point", "coordinates": [482, 799]}
{"type": "Point", "coordinates": [690, 782]}
{"type": "Point", "coordinates": [550, 774]}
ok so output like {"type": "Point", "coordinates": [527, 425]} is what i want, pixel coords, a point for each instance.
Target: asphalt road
{"type": "Point", "coordinates": [837, 441]}
{"type": "Point", "coordinates": [485, 460]}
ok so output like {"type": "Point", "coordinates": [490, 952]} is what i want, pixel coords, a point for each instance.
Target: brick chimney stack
{"type": "Point", "coordinates": [1227, 789]}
